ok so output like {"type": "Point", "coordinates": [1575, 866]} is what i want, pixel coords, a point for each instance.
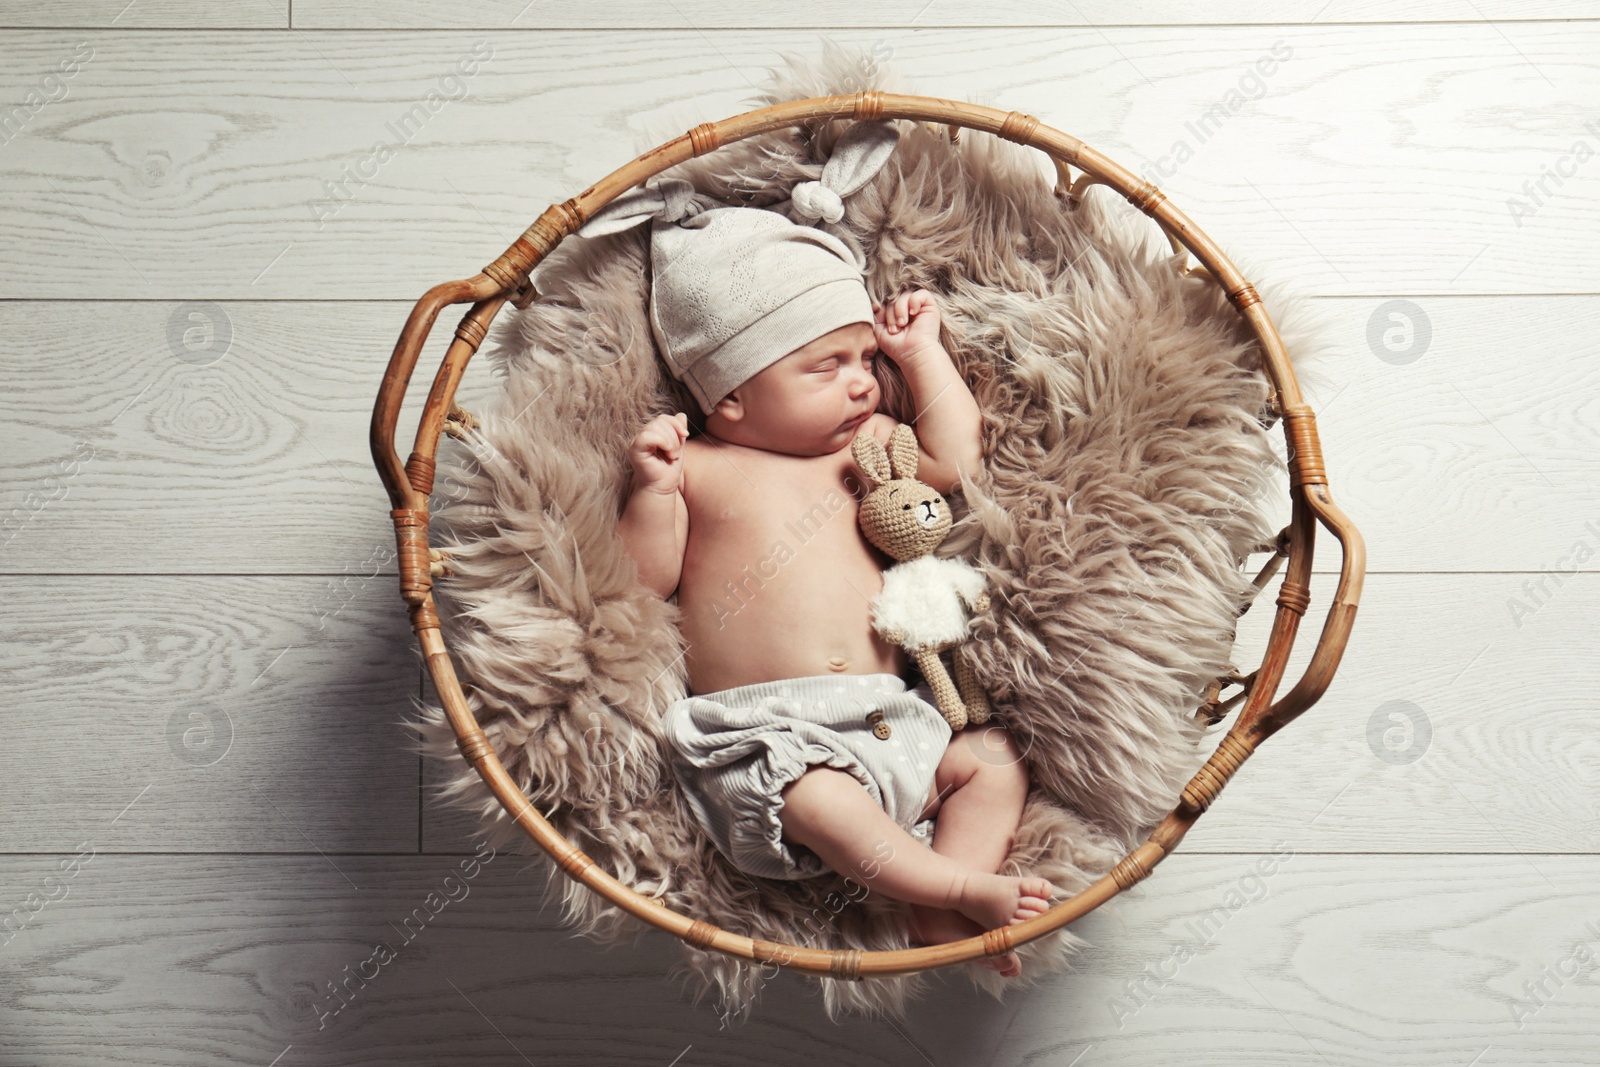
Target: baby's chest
{"type": "Point", "coordinates": [751, 500]}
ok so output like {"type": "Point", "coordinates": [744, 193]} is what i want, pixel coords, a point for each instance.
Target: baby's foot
{"type": "Point", "coordinates": [996, 900]}
{"type": "Point", "coordinates": [935, 926]}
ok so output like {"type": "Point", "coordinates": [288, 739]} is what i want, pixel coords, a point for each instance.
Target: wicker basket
{"type": "Point", "coordinates": [410, 484]}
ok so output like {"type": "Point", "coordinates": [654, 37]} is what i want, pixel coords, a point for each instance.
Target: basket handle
{"type": "Point", "coordinates": [1308, 475]}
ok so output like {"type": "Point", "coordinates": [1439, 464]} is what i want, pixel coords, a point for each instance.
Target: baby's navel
{"type": "Point", "coordinates": [837, 663]}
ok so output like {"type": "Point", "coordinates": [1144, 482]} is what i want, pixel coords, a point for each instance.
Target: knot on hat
{"type": "Point", "coordinates": [860, 152]}
{"type": "Point", "coordinates": [735, 289]}
{"type": "Point", "coordinates": [814, 200]}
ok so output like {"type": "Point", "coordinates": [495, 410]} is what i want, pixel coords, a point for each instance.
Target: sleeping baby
{"type": "Point", "coordinates": [802, 747]}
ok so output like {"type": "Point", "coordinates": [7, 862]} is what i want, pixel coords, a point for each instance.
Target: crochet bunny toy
{"type": "Point", "coordinates": [924, 604]}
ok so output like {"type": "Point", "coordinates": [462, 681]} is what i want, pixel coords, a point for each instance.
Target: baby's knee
{"type": "Point", "coordinates": [995, 753]}
{"type": "Point", "coordinates": [807, 800]}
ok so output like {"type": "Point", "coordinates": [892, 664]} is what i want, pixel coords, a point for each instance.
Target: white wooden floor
{"type": "Point", "coordinates": [211, 817]}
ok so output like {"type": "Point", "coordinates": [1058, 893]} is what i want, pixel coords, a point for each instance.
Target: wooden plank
{"type": "Point", "coordinates": [1278, 956]}
{"type": "Point", "coordinates": [1448, 424]}
{"type": "Point", "coordinates": [295, 166]}
{"type": "Point", "coordinates": [703, 14]}
{"type": "Point", "coordinates": [899, 15]}
{"type": "Point", "coordinates": [238, 960]}
{"type": "Point", "coordinates": [123, 427]}
{"type": "Point", "coordinates": [1461, 719]}
{"type": "Point", "coordinates": [203, 714]}
{"type": "Point", "coordinates": [1329, 960]}
{"type": "Point", "coordinates": [1478, 454]}
{"type": "Point", "coordinates": [143, 14]}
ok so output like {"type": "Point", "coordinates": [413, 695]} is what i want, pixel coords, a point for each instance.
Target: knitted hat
{"type": "Point", "coordinates": [735, 289]}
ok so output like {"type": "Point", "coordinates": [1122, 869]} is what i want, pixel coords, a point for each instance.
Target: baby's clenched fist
{"type": "Point", "coordinates": [657, 453]}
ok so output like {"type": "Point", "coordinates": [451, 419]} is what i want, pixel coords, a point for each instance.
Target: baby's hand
{"type": "Point", "coordinates": [657, 453]}
{"type": "Point", "coordinates": [908, 326]}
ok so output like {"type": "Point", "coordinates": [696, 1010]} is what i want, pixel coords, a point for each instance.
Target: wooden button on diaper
{"type": "Point", "coordinates": [880, 729]}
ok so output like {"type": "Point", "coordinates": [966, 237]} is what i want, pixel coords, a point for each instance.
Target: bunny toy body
{"type": "Point", "coordinates": [926, 602]}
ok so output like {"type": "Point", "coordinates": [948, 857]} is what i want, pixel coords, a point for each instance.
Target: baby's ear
{"type": "Point", "coordinates": [903, 451]}
{"type": "Point", "coordinates": [871, 458]}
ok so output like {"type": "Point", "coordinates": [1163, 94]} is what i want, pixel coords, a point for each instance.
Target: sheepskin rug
{"type": "Point", "coordinates": [1130, 476]}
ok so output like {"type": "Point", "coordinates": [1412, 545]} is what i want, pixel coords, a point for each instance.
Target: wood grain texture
{"type": "Point", "coordinates": [1478, 455]}
{"type": "Point", "coordinates": [143, 14]}
{"type": "Point", "coordinates": [480, 972]}
{"type": "Point", "coordinates": [1282, 956]}
{"type": "Point", "coordinates": [1329, 960]}
{"type": "Point", "coordinates": [215, 164]}
{"type": "Point", "coordinates": [113, 434]}
{"type": "Point", "coordinates": [896, 15]}
{"type": "Point", "coordinates": [207, 714]}
{"type": "Point", "coordinates": [186, 543]}
{"type": "Point", "coordinates": [706, 14]}
{"type": "Point", "coordinates": [1461, 720]}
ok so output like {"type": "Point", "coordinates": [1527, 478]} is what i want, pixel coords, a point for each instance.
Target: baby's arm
{"type": "Point", "coordinates": [948, 423]}
{"type": "Point", "coordinates": [655, 523]}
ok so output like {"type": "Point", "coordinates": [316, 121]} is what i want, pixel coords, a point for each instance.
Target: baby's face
{"type": "Point", "coordinates": [809, 403]}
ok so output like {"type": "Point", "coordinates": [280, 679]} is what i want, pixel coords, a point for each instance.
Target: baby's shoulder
{"type": "Point", "coordinates": [881, 426]}
{"type": "Point", "coordinates": [708, 465]}
{"type": "Point", "coordinates": [693, 447]}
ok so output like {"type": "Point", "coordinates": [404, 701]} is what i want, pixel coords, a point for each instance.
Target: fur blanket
{"type": "Point", "coordinates": [1127, 469]}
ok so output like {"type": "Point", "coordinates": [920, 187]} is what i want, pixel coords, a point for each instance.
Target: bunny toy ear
{"type": "Point", "coordinates": [903, 451]}
{"type": "Point", "coordinates": [871, 458]}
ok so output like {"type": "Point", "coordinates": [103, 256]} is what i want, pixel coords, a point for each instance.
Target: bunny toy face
{"type": "Point", "coordinates": [900, 515]}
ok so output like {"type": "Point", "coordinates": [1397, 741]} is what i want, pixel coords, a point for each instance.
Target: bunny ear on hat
{"type": "Point", "coordinates": [858, 154]}
{"type": "Point", "coordinates": [669, 199]}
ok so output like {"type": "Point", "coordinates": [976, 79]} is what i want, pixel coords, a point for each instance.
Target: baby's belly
{"type": "Point", "coordinates": [781, 601]}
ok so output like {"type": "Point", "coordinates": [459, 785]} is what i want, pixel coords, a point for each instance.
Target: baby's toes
{"type": "Point", "coordinates": [1029, 909]}
{"type": "Point", "coordinates": [1034, 897]}
{"type": "Point", "coordinates": [1006, 965]}
{"type": "Point", "coordinates": [1042, 888]}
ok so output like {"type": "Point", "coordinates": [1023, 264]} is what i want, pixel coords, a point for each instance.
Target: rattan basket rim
{"type": "Point", "coordinates": [507, 278]}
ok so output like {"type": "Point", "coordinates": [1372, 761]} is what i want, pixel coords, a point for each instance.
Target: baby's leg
{"type": "Point", "coordinates": [981, 784]}
{"type": "Point", "coordinates": [978, 793]}
{"type": "Point", "coordinates": [832, 814]}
